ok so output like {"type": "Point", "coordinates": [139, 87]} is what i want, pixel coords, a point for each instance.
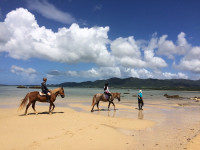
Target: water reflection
{"type": "Point", "coordinates": [111, 113]}
{"type": "Point", "coordinates": [140, 114]}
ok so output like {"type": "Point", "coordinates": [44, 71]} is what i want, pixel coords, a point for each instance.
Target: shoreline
{"type": "Point", "coordinates": [127, 127]}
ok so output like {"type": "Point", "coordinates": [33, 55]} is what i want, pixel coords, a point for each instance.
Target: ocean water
{"type": "Point", "coordinates": [10, 96]}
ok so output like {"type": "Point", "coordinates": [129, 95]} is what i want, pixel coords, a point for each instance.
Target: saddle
{"type": "Point", "coordinates": [106, 96]}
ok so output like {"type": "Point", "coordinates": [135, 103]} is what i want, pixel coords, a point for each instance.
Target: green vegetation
{"type": "Point", "coordinates": [135, 83]}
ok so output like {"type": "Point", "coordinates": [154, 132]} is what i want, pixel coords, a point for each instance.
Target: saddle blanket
{"type": "Point", "coordinates": [106, 96]}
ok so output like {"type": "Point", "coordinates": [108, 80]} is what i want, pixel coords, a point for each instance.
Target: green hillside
{"type": "Point", "coordinates": [168, 84]}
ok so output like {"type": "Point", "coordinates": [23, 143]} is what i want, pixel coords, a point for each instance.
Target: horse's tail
{"type": "Point", "coordinates": [93, 100]}
{"type": "Point", "coordinates": [23, 102]}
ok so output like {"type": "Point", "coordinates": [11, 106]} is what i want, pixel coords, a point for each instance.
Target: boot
{"type": "Point", "coordinates": [48, 98]}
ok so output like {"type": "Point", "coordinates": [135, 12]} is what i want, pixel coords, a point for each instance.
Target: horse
{"type": "Point", "coordinates": [101, 97]}
{"type": "Point", "coordinates": [35, 96]}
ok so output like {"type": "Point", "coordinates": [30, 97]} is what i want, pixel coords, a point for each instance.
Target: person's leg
{"type": "Point", "coordinates": [110, 97]}
{"type": "Point", "coordinates": [47, 96]}
{"type": "Point", "coordinates": [139, 104]}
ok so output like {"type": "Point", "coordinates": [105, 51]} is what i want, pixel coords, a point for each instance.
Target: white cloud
{"type": "Point", "coordinates": [28, 73]}
{"type": "Point", "coordinates": [125, 47]}
{"type": "Point", "coordinates": [102, 73]}
{"type": "Point", "coordinates": [128, 52]}
{"type": "Point", "coordinates": [169, 49]}
{"type": "Point", "coordinates": [50, 11]}
{"type": "Point", "coordinates": [22, 38]}
{"type": "Point", "coordinates": [149, 56]}
{"type": "Point", "coordinates": [190, 65]}
{"type": "Point", "coordinates": [168, 75]}
{"type": "Point", "coordinates": [69, 45]}
{"type": "Point", "coordinates": [4, 34]}
{"type": "Point", "coordinates": [191, 61]}
{"type": "Point", "coordinates": [93, 73]}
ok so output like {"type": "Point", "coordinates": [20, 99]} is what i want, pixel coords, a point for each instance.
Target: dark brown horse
{"type": "Point", "coordinates": [101, 97]}
{"type": "Point", "coordinates": [35, 96]}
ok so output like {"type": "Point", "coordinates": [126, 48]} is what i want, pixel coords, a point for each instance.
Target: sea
{"type": "Point", "coordinates": [11, 96]}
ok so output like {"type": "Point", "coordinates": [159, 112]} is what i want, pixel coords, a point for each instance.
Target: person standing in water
{"type": "Point", "coordinates": [140, 100]}
{"type": "Point", "coordinates": [45, 90]}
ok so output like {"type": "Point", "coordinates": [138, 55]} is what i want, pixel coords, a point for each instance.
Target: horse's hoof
{"type": "Point", "coordinates": [92, 110]}
{"type": "Point", "coordinates": [50, 113]}
{"type": "Point", "coordinates": [36, 113]}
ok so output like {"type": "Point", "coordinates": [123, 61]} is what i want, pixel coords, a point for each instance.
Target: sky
{"type": "Point", "coordinates": [88, 40]}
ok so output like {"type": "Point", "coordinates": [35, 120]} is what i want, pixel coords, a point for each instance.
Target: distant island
{"type": "Point", "coordinates": [136, 83]}
{"type": "Point", "coordinates": [31, 87]}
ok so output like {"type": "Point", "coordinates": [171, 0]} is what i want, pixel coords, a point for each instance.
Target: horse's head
{"type": "Point", "coordinates": [117, 96]}
{"type": "Point", "coordinates": [59, 91]}
{"type": "Point", "coordinates": [62, 92]}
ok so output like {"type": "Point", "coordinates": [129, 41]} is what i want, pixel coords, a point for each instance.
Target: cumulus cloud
{"type": "Point", "coordinates": [128, 52]}
{"type": "Point", "coordinates": [50, 11]}
{"type": "Point", "coordinates": [4, 34]}
{"type": "Point", "coordinates": [68, 45]}
{"type": "Point", "coordinates": [191, 61]}
{"type": "Point", "coordinates": [125, 47]}
{"type": "Point", "coordinates": [149, 56]}
{"type": "Point", "coordinates": [22, 38]}
{"type": "Point", "coordinates": [169, 49]}
{"type": "Point", "coordinates": [28, 73]}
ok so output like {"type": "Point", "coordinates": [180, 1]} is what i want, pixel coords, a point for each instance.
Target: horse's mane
{"type": "Point", "coordinates": [55, 90]}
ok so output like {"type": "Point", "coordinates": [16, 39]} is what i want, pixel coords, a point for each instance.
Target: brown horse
{"type": "Point", "coordinates": [101, 97]}
{"type": "Point", "coordinates": [35, 96]}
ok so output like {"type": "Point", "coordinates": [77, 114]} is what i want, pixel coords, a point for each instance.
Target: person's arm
{"type": "Point", "coordinates": [108, 90]}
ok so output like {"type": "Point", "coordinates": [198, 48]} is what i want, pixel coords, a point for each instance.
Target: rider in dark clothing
{"type": "Point", "coordinates": [45, 90]}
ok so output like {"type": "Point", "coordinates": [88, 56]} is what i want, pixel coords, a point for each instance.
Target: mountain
{"type": "Point", "coordinates": [167, 84]}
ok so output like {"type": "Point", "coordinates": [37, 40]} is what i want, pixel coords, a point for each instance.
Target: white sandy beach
{"type": "Point", "coordinates": [70, 129]}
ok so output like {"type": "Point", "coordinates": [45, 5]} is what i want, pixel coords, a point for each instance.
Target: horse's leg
{"type": "Point", "coordinates": [98, 106]}
{"type": "Point", "coordinates": [33, 106]}
{"type": "Point", "coordinates": [109, 105]}
{"type": "Point", "coordinates": [94, 105]}
{"type": "Point", "coordinates": [113, 105]}
{"type": "Point", "coordinates": [27, 106]}
{"type": "Point", "coordinates": [53, 107]}
{"type": "Point", "coordinates": [50, 107]}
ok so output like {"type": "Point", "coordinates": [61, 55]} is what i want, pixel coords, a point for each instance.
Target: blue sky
{"type": "Point", "coordinates": [87, 40]}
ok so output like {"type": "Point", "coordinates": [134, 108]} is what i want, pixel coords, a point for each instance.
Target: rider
{"type": "Point", "coordinates": [45, 90]}
{"type": "Point", "coordinates": [140, 100]}
{"type": "Point", "coordinates": [106, 91]}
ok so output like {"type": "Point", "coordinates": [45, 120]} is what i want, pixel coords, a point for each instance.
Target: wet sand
{"type": "Point", "coordinates": [159, 126]}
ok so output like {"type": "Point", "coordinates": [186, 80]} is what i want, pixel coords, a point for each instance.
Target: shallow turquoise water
{"type": "Point", "coordinates": [10, 95]}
